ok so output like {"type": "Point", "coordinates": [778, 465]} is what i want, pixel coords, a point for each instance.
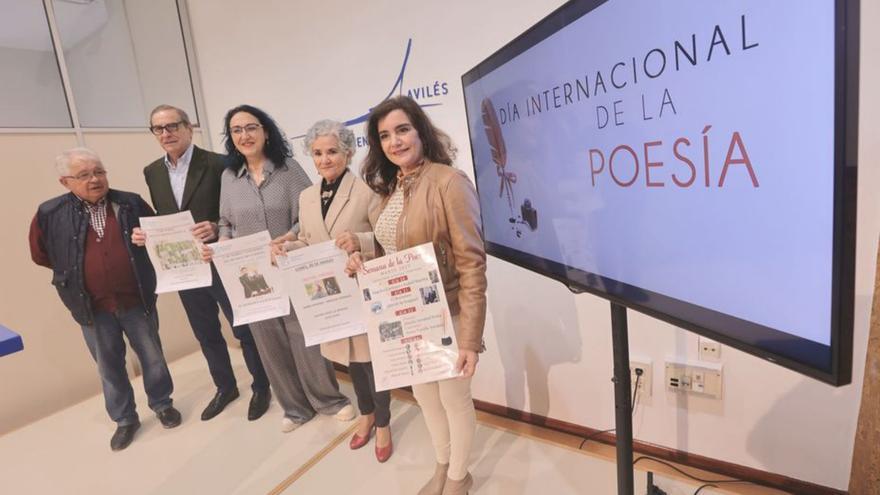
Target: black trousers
{"type": "Point", "coordinates": [370, 401]}
{"type": "Point", "coordinates": [201, 309]}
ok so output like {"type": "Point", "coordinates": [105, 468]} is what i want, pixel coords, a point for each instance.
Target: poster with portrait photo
{"type": "Point", "coordinates": [409, 325]}
{"type": "Point", "coordinates": [255, 287]}
{"type": "Point", "coordinates": [174, 252]}
{"type": "Point", "coordinates": [326, 300]}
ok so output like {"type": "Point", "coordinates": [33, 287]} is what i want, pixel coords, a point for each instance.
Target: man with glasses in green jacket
{"type": "Point", "coordinates": [188, 178]}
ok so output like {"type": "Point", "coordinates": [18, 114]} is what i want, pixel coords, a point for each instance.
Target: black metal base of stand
{"type": "Point", "coordinates": [622, 400]}
{"type": "Point", "coordinates": [653, 489]}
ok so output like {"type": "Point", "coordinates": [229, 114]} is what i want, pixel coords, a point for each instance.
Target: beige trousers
{"type": "Point", "coordinates": [449, 414]}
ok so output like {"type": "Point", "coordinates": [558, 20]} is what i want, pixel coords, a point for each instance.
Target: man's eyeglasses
{"type": "Point", "coordinates": [87, 176]}
{"type": "Point", "coordinates": [250, 129]}
{"type": "Point", "coordinates": [171, 128]}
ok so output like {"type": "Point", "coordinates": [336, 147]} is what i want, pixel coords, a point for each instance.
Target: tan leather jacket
{"type": "Point", "coordinates": [440, 206]}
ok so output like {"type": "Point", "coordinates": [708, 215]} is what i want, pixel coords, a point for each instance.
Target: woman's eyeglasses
{"type": "Point", "coordinates": [239, 130]}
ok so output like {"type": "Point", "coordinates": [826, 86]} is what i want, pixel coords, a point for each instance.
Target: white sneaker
{"type": "Point", "coordinates": [287, 425]}
{"type": "Point", "coordinates": [347, 413]}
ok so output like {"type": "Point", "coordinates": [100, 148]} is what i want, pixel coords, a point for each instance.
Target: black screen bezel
{"type": "Point", "coordinates": [830, 364]}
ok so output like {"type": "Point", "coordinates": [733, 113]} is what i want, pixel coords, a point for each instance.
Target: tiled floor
{"type": "Point", "coordinates": [69, 453]}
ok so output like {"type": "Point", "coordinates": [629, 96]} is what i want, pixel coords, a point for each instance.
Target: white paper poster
{"type": "Point", "coordinates": [409, 325]}
{"type": "Point", "coordinates": [175, 253]}
{"type": "Point", "coordinates": [255, 287]}
{"type": "Point", "coordinates": [326, 300]}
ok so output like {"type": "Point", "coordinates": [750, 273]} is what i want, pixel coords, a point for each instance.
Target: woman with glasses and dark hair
{"type": "Point", "coordinates": [259, 191]}
{"type": "Point", "coordinates": [337, 209]}
{"type": "Point", "coordinates": [425, 199]}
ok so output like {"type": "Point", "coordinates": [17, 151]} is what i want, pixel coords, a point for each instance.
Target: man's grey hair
{"type": "Point", "coordinates": [62, 161]}
{"type": "Point", "coordinates": [322, 128]}
{"type": "Point", "coordinates": [182, 114]}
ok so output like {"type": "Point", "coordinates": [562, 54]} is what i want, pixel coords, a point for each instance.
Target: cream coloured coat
{"type": "Point", "coordinates": [349, 211]}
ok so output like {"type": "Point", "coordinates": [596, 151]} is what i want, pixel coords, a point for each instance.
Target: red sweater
{"type": "Point", "coordinates": [108, 274]}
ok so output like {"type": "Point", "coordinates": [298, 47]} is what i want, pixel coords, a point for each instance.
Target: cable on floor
{"type": "Point", "coordinates": [695, 478]}
{"type": "Point", "coordinates": [635, 404]}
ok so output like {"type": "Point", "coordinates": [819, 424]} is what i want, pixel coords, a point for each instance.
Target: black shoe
{"type": "Point", "coordinates": [123, 436]}
{"type": "Point", "coordinates": [259, 404]}
{"type": "Point", "coordinates": [169, 417]}
{"type": "Point", "coordinates": [218, 403]}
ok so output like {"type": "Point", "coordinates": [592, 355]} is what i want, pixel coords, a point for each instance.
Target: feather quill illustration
{"type": "Point", "coordinates": [498, 149]}
{"type": "Point", "coordinates": [493, 132]}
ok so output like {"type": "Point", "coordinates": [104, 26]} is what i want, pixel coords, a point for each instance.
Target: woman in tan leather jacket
{"type": "Point", "coordinates": [425, 199]}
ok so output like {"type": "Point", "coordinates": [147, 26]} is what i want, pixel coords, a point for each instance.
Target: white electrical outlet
{"type": "Point", "coordinates": [709, 349]}
{"type": "Point", "coordinates": [698, 378]}
{"type": "Point", "coordinates": [645, 381]}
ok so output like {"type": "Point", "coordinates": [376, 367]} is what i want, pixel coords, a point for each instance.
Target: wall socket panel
{"type": "Point", "coordinates": [645, 381]}
{"type": "Point", "coordinates": [702, 379]}
{"type": "Point", "coordinates": [709, 349]}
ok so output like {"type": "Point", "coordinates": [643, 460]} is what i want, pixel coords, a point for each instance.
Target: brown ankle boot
{"type": "Point", "coordinates": [434, 486]}
{"type": "Point", "coordinates": [458, 487]}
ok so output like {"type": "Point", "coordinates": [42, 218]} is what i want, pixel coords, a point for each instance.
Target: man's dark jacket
{"type": "Point", "coordinates": [201, 193]}
{"type": "Point", "coordinates": [64, 223]}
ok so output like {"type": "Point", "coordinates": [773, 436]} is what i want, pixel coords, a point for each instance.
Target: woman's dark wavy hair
{"type": "Point", "coordinates": [277, 148]}
{"type": "Point", "coordinates": [377, 170]}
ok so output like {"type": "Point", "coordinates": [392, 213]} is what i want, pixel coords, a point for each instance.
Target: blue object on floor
{"type": "Point", "coordinates": [9, 341]}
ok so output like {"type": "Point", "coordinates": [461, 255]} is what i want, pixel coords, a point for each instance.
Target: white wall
{"type": "Point", "coordinates": [303, 61]}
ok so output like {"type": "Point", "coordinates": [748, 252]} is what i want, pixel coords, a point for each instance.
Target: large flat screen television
{"type": "Point", "coordinates": [692, 160]}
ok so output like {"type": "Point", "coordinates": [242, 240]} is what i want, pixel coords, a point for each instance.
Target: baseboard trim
{"type": "Point", "coordinates": [723, 468]}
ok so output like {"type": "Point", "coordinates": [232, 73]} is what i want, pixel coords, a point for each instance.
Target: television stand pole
{"type": "Point", "coordinates": [622, 400]}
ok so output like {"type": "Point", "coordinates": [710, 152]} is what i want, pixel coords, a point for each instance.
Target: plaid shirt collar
{"type": "Point", "coordinates": [97, 215]}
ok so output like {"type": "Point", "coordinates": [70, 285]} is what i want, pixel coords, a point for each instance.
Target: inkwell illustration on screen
{"type": "Point", "coordinates": [528, 214]}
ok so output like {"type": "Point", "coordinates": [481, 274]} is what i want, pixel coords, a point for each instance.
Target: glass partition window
{"type": "Point", "coordinates": [91, 64]}
{"type": "Point", "coordinates": [31, 91]}
{"type": "Point", "coordinates": [123, 57]}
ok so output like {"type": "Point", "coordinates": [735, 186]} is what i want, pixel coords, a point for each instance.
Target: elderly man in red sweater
{"type": "Point", "coordinates": [107, 283]}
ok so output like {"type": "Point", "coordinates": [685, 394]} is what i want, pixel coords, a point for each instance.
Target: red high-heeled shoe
{"type": "Point", "coordinates": [358, 441]}
{"type": "Point", "coordinates": [384, 453]}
